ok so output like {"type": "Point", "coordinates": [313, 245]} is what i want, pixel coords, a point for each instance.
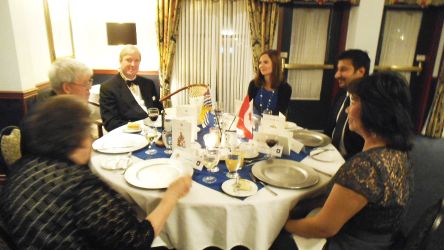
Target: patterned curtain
{"type": "Point", "coordinates": [422, 3]}
{"type": "Point", "coordinates": [168, 12]}
{"type": "Point", "coordinates": [262, 16]}
{"type": "Point", "coordinates": [354, 2]}
{"type": "Point", "coordinates": [434, 126]}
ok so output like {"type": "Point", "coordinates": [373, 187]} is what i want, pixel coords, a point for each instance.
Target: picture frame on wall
{"type": "Point", "coordinates": [59, 28]}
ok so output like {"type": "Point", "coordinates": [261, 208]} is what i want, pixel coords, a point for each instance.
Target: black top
{"type": "Point", "coordinates": [283, 97]}
{"type": "Point", "coordinates": [384, 177]}
{"type": "Point", "coordinates": [54, 204]}
{"type": "Point", "coordinates": [118, 106]}
{"type": "Point", "coordinates": [353, 142]}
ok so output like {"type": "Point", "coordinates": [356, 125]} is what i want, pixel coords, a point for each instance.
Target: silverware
{"type": "Point", "coordinates": [322, 151]}
{"type": "Point", "coordinates": [255, 180]}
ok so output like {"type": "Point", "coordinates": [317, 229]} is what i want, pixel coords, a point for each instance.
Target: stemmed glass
{"type": "Point", "coordinates": [153, 114]}
{"type": "Point", "coordinates": [151, 135]}
{"type": "Point", "coordinates": [211, 159]}
{"type": "Point", "coordinates": [267, 112]}
{"type": "Point", "coordinates": [234, 161]}
{"type": "Point", "coordinates": [167, 138]}
{"type": "Point", "coordinates": [271, 142]}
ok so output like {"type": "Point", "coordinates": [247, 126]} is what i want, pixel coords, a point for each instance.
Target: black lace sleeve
{"type": "Point", "coordinates": [362, 176]}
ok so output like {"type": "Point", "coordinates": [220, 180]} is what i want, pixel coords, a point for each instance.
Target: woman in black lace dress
{"type": "Point", "coordinates": [370, 192]}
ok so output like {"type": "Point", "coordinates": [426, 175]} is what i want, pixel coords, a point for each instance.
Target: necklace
{"type": "Point", "coordinates": [268, 102]}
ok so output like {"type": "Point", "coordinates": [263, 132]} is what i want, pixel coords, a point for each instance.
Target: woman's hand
{"type": "Point", "coordinates": [179, 188]}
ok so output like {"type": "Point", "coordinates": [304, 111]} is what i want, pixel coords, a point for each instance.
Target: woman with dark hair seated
{"type": "Point", "coordinates": [51, 199]}
{"type": "Point", "coordinates": [370, 191]}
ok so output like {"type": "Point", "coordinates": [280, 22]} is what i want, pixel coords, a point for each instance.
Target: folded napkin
{"type": "Point", "coordinates": [327, 162]}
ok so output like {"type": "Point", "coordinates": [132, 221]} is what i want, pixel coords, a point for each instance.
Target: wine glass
{"type": "Point", "coordinates": [234, 161]}
{"type": "Point", "coordinates": [271, 142]}
{"type": "Point", "coordinates": [167, 138]}
{"type": "Point", "coordinates": [153, 114]}
{"type": "Point", "coordinates": [211, 159]}
{"type": "Point", "coordinates": [151, 135]}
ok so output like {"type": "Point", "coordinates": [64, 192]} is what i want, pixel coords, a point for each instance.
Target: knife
{"type": "Point", "coordinates": [322, 151]}
{"type": "Point", "coordinates": [255, 180]}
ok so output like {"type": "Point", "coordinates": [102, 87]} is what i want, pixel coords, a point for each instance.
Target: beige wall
{"type": "Point", "coordinates": [364, 26]}
{"type": "Point", "coordinates": [23, 45]}
{"type": "Point", "coordinates": [89, 18]}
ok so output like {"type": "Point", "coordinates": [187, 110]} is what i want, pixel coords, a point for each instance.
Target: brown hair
{"type": "Point", "coordinates": [276, 74]}
{"type": "Point", "coordinates": [56, 127]}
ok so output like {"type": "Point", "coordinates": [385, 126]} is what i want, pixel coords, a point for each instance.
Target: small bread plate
{"type": "Point", "coordinates": [157, 173]}
{"type": "Point", "coordinates": [119, 143]}
{"type": "Point", "coordinates": [324, 154]}
{"type": "Point", "coordinates": [132, 130]}
{"type": "Point", "coordinates": [247, 188]}
{"type": "Point", "coordinates": [311, 138]}
{"type": "Point", "coordinates": [285, 173]}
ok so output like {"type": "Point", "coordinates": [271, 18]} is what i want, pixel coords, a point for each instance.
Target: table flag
{"type": "Point", "coordinates": [245, 122]}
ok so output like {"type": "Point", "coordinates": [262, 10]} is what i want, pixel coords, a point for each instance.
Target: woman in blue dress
{"type": "Point", "coordinates": [268, 90]}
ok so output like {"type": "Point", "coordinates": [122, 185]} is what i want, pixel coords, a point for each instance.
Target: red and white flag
{"type": "Point", "coordinates": [245, 122]}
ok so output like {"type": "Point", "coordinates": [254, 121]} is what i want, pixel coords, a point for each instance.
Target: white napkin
{"type": "Point", "coordinates": [330, 165]}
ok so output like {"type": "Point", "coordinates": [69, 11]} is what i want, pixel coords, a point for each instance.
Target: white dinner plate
{"type": "Point", "coordinates": [157, 173]}
{"type": "Point", "coordinates": [228, 188]}
{"type": "Point", "coordinates": [119, 143]}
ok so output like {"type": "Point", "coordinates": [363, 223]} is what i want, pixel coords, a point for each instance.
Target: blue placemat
{"type": "Point", "coordinates": [221, 174]}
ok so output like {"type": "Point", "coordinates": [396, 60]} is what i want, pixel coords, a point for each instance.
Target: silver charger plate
{"type": "Point", "coordinates": [157, 173]}
{"type": "Point", "coordinates": [311, 138]}
{"type": "Point", "coordinates": [285, 173]}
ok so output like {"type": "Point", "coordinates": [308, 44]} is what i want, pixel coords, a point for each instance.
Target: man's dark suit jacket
{"type": "Point", "coordinates": [353, 142]}
{"type": "Point", "coordinates": [118, 106]}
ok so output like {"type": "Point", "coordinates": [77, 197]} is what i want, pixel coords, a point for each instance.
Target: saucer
{"type": "Point", "coordinates": [228, 188]}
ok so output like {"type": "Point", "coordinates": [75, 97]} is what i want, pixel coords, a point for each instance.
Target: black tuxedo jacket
{"type": "Point", "coordinates": [118, 106]}
{"type": "Point", "coordinates": [353, 142]}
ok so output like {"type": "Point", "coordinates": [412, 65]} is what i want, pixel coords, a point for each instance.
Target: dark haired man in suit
{"type": "Point", "coordinates": [351, 65]}
{"type": "Point", "coordinates": [126, 96]}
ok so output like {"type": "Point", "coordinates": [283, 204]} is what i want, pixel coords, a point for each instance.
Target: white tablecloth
{"type": "Point", "coordinates": [205, 217]}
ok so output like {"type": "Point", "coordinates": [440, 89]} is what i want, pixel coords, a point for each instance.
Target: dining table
{"type": "Point", "coordinates": [207, 216]}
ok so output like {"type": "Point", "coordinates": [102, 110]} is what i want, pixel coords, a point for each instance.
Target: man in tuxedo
{"type": "Point", "coordinates": [126, 96]}
{"type": "Point", "coordinates": [351, 65]}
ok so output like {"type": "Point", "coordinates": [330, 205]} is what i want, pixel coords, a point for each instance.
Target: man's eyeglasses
{"type": "Point", "coordinates": [86, 85]}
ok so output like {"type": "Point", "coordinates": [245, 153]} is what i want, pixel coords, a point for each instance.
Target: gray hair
{"type": "Point", "coordinates": [129, 49]}
{"type": "Point", "coordinates": [67, 70]}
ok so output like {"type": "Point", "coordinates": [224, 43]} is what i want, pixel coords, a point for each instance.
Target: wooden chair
{"type": "Point", "coordinates": [194, 90]}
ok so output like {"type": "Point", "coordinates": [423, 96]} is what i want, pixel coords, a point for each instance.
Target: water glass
{"type": "Point", "coordinates": [211, 159]}
{"type": "Point", "coordinates": [151, 135]}
{"type": "Point", "coordinates": [167, 138]}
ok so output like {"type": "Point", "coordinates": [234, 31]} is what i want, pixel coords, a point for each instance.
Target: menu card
{"type": "Point", "coordinates": [184, 155]}
{"type": "Point", "coordinates": [272, 123]}
{"type": "Point", "coordinates": [182, 133]}
{"type": "Point", "coordinates": [190, 110]}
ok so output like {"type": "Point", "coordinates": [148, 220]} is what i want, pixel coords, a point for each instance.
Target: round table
{"type": "Point", "coordinates": [205, 217]}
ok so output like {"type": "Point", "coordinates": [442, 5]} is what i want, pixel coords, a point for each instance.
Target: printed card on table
{"type": "Point", "coordinates": [182, 133]}
{"type": "Point", "coordinates": [190, 110]}
{"type": "Point", "coordinates": [272, 122]}
{"type": "Point", "coordinates": [262, 147]}
{"type": "Point", "coordinates": [184, 155]}
{"type": "Point", "coordinates": [283, 141]}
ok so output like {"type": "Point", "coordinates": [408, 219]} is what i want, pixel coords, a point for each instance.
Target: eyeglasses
{"type": "Point", "coordinates": [86, 85]}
